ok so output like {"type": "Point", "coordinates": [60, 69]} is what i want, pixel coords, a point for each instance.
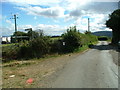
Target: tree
{"type": "Point", "coordinates": [33, 34]}
{"type": "Point", "coordinates": [19, 33]}
{"type": "Point", "coordinates": [114, 23]}
{"type": "Point", "coordinates": [72, 39]}
{"type": "Point", "coordinates": [19, 36]}
{"type": "Point", "coordinates": [40, 46]}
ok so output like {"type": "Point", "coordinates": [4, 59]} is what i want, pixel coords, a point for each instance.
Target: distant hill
{"type": "Point", "coordinates": [103, 33]}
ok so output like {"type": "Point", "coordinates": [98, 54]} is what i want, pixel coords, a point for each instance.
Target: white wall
{"type": "Point", "coordinates": [6, 39]}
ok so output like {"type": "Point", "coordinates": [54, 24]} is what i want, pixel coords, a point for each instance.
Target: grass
{"type": "Point", "coordinates": [5, 45]}
{"type": "Point", "coordinates": [81, 48]}
{"type": "Point", "coordinates": [109, 40]}
{"type": "Point", "coordinates": [55, 38]}
{"type": "Point", "coordinates": [22, 62]}
{"type": "Point", "coordinates": [84, 47]}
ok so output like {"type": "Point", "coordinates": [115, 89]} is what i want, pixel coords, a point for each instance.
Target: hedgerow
{"type": "Point", "coordinates": [42, 45]}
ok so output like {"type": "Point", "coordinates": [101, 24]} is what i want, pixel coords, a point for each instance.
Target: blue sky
{"type": "Point", "coordinates": [55, 16]}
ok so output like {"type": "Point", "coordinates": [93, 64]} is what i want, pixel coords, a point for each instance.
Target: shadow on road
{"type": "Point", "coordinates": [104, 47]}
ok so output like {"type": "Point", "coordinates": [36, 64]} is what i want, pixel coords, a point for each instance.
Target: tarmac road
{"type": "Point", "coordinates": [92, 69]}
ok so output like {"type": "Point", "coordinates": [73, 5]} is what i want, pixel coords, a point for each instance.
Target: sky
{"type": "Point", "coordinates": [55, 16]}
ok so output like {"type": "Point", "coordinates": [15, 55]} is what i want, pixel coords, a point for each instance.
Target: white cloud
{"type": "Point", "coordinates": [105, 0]}
{"type": "Point", "coordinates": [77, 13]}
{"type": "Point", "coordinates": [47, 12]}
{"type": "Point", "coordinates": [8, 21]}
{"type": "Point", "coordinates": [33, 2]}
{"type": "Point", "coordinates": [7, 31]}
{"type": "Point", "coordinates": [51, 29]}
{"type": "Point", "coordinates": [107, 29]}
{"type": "Point", "coordinates": [10, 24]}
{"type": "Point", "coordinates": [47, 29]}
{"type": "Point", "coordinates": [97, 22]}
{"type": "Point", "coordinates": [67, 9]}
{"type": "Point", "coordinates": [23, 27]}
{"type": "Point", "coordinates": [56, 8]}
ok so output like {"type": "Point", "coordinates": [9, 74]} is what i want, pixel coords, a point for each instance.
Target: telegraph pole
{"type": "Point", "coordinates": [15, 17]}
{"type": "Point", "coordinates": [15, 22]}
{"type": "Point", "coordinates": [88, 24]}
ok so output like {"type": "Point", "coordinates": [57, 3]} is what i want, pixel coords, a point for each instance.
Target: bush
{"type": "Point", "coordinates": [72, 39]}
{"type": "Point", "coordinates": [25, 50]}
{"type": "Point", "coordinates": [35, 48]}
{"type": "Point", "coordinates": [10, 52]}
{"type": "Point", "coordinates": [40, 46]}
{"type": "Point", "coordinates": [56, 46]}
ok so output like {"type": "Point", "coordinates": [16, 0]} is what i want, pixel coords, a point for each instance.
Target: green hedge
{"type": "Point", "coordinates": [42, 45]}
{"type": "Point", "coordinates": [35, 48]}
{"type": "Point", "coordinates": [74, 39]}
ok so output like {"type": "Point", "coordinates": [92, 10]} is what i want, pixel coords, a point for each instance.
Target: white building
{"type": "Point", "coordinates": [6, 38]}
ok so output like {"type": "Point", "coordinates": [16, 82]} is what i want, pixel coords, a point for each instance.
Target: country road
{"type": "Point", "coordinates": [93, 69]}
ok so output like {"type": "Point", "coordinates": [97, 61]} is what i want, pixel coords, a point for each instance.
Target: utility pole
{"type": "Point", "coordinates": [88, 24]}
{"type": "Point", "coordinates": [15, 17]}
{"type": "Point", "coordinates": [15, 22]}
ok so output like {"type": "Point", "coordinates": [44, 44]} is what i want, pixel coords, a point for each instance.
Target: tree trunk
{"type": "Point", "coordinates": [115, 37]}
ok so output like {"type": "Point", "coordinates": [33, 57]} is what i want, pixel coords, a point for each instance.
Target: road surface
{"type": "Point", "coordinates": [93, 69]}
